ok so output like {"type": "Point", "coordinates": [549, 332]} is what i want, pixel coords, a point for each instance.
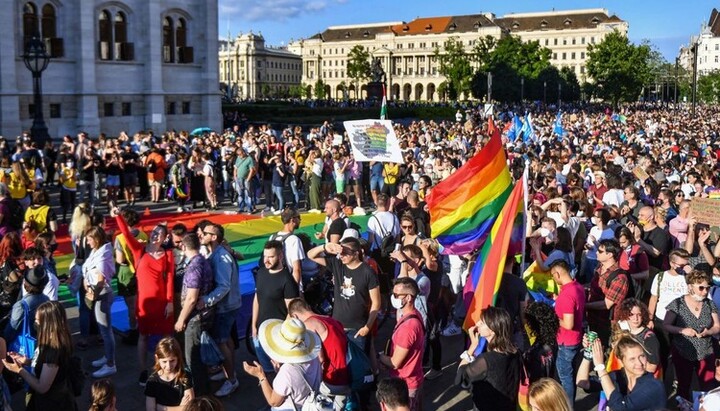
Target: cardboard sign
{"type": "Point", "coordinates": [640, 173]}
{"type": "Point", "coordinates": [706, 210]}
{"type": "Point", "coordinates": [374, 140]}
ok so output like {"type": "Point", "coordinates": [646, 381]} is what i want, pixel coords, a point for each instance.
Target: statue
{"type": "Point", "coordinates": [377, 72]}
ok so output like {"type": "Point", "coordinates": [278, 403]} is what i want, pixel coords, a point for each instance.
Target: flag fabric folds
{"type": "Point", "coordinates": [528, 130]}
{"type": "Point", "coordinates": [464, 206]}
{"type": "Point", "coordinates": [515, 127]}
{"type": "Point", "coordinates": [490, 262]}
{"type": "Point", "coordinates": [557, 126]}
{"type": "Point", "coordinates": [383, 108]}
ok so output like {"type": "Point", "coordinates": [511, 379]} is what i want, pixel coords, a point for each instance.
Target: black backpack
{"type": "Point", "coordinates": [17, 214]}
{"type": "Point", "coordinates": [387, 243]}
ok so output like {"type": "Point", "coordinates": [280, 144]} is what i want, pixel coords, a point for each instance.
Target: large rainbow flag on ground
{"type": "Point", "coordinates": [464, 206]}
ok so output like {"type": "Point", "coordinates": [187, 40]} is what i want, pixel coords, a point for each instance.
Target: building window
{"type": "Point", "coordinates": [170, 110]}
{"type": "Point", "coordinates": [186, 107]}
{"type": "Point", "coordinates": [547, 42]}
{"type": "Point", "coordinates": [564, 56]}
{"type": "Point", "coordinates": [113, 37]}
{"type": "Point", "coordinates": [55, 111]}
{"type": "Point", "coordinates": [554, 56]}
{"type": "Point", "coordinates": [564, 42]}
{"type": "Point", "coordinates": [399, 46]}
{"type": "Point", "coordinates": [582, 40]}
{"type": "Point", "coordinates": [30, 22]}
{"type": "Point", "coordinates": [582, 69]}
{"type": "Point", "coordinates": [592, 40]}
{"type": "Point", "coordinates": [105, 32]}
{"type": "Point", "coordinates": [126, 109]}
{"type": "Point", "coordinates": [572, 56]}
{"type": "Point", "coordinates": [573, 41]}
{"type": "Point", "coordinates": [168, 49]}
{"type": "Point", "coordinates": [184, 53]}
{"type": "Point", "coordinates": [582, 55]}
{"type": "Point", "coordinates": [108, 109]}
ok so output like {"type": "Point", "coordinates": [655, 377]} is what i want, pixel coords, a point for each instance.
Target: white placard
{"type": "Point", "coordinates": [156, 118]}
{"type": "Point", "coordinates": [374, 140]}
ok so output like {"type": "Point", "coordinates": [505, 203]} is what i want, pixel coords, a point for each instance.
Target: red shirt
{"type": "Point", "coordinates": [334, 348]}
{"type": "Point", "coordinates": [634, 260]}
{"type": "Point", "coordinates": [571, 300]}
{"type": "Point", "coordinates": [409, 334]}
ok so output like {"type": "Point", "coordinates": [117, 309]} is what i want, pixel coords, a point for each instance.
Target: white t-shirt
{"type": "Point", "coordinates": [381, 224]}
{"type": "Point", "coordinates": [613, 197]}
{"type": "Point", "coordinates": [671, 287]}
{"type": "Point", "coordinates": [289, 383]}
{"type": "Point", "coordinates": [339, 175]}
{"type": "Point", "coordinates": [292, 247]}
{"type": "Point", "coordinates": [572, 224]}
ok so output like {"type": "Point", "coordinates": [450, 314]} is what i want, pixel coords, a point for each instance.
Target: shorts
{"type": "Point", "coordinates": [112, 181]}
{"type": "Point", "coordinates": [223, 324]}
{"type": "Point", "coordinates": [376, 183]}
{"type": "Point", "coordinates": [339, 186]}
{"type": "Point", "coordinates": [130, 179]}
{"type": "Point", "coordinates": [156, 183]}
{"type": "Point", "coordinates": [353, 181]}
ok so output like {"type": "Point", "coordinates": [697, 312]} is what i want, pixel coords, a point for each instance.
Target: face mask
{"type": "Point", "coordinates": [397, 303]}
{"type": "Point", "coordinates": [624, 325]}
{"type": "Point", "coordinates": [716, 280]}
{"type": "Point", "coordinates": [680, 271]}
{"type": "Point", "coordinates": [697, 298]}
{"type": "Point", "coordinates": [642, 223]}
{"type": "Point", "coordinates": [594, 221]}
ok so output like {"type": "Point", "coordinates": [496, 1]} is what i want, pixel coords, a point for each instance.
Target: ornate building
{"type": "Point", "coordinates": [116, 65]}
{"type": "Point", "coordinates": [406, 50]}
{"type": "Point", "coordinates": [708, 46]}
{"type": "Point", "coordinates": [251, 70]}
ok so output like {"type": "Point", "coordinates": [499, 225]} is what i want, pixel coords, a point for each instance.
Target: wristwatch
{"type": "Point", "coordinates": [465, 356]}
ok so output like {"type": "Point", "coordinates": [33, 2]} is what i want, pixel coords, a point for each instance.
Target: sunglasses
{"type": "Point", "coordinates": [703, 287]}
{"type": "Point", "coordinates": [406, 227]}
{"type": "Point", "coordinates": [206, 233]}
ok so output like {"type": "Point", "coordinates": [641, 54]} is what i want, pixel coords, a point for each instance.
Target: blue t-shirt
{"type": "Point", "coordinates": [377, 169]}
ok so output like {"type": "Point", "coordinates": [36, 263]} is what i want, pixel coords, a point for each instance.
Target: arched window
{"type": "Point", "coordinates": [105, 30]}
{"type": "Point", "coordinates": [168, 46]}
{"type": "Point", "coordinates": [49, 29]}
{"type": "Point", "coordinates": [120, 27]}
{"type": "Point", "coordinates": [30, 22]}
{"type": "Point", "coordinates": [181, 33]}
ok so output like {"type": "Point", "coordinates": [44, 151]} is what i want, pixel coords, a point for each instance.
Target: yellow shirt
{"type": "Point", "coordinates": [391, 173]}
{"type": "Point", "coordinates": [68, 176]}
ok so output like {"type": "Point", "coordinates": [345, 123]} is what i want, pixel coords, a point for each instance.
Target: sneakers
{"type": "Point", "coordinates": [105, 371]}
{"type": "Point", "coordinates": [99, 362]}
{"type": "Point", "coordinates": [219, 376]}
{"type": "Point", "coordinates": [227, 388]}
{"type": "Point", "coordinates": [143, 378]}
{"type": "Point", "coordinates": [180, 209]}
{"type": "Point", "coordinates": [433, 374]}
{"type": "Point", "coordinates": [451, 329]}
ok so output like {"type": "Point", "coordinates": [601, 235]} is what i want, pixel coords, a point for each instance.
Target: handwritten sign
{"type": "Point", "coordinates": [706, 210]}
{"type": "Point", "coordinates": [640, 173]}
{"type": "Point", "coordinates": [374, 140]}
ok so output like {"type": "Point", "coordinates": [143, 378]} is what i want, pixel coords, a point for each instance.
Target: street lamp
{"type": "Point", "coordinates": [694, 87]}
{"type": "Point", "coordinates": [36, 60]}
{"type": "Point", "coordinates": [545, 92]}
{"type": "Point", "coordinates": [522, 89]}
{"type": "Point", "coordinates": [559, 94]}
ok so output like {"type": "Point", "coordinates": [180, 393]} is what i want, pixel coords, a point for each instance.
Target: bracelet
{"type": "Point", "coordinates": [260, 381]}
{"type": "Point", "coordinates": [599, 367]}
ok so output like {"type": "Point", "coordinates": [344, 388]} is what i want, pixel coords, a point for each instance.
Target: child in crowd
{"type": "Point", "coordinates": [102, 396]}
{"type": "Point", "coordinates": [170, 385]}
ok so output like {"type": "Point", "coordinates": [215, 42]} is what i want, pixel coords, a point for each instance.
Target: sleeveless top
{"type": "Point", "coordinates": [334, 348]}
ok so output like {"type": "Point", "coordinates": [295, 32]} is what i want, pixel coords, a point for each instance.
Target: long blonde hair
{"type": "Point", "coordinates": [102, 395]}
{"type": "Point", "coordinates": [80, 221]}
{"type": "Point", "coordinates": [549, 395]}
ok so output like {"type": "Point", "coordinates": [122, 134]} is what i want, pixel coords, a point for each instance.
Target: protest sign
{"type": "Point", "coordinates": [640, 173]}
{"type": "Point", "coordinates": [373, 140]}
{"type": "Point", "coordinates": [706, 210]}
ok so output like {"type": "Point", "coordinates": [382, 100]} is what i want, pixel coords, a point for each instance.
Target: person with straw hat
{"type": "Point", "coordinates": [294, 352]}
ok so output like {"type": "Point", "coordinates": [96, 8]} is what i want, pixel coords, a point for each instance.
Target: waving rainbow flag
{"type": "Point", "coordinates": [505, 237]}
{"type": "Point", "coordinates": [464, 206]}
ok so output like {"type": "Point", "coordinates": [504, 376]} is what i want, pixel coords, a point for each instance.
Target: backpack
{"type": "Point", "coordinates": [17, 215]}
{"type": "Point", "coordinates": [76, 376]}
{"type": "Point", "coordinates": [151, 167]}
{"type": "Point", "coordinates": [387, 243]}
{"type": "Point", "coordinates": [631, 286]}
{"type": "Point", "coordinates": [362, 377]}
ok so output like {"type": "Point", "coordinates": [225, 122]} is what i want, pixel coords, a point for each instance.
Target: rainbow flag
{"type": "Point", "coordinates": [490, 263]}
{"type": "Point", "coordinates": [464, 206]}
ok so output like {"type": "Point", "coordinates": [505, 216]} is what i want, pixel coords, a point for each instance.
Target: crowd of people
{"type": "Point", "coordinates": [629, 307]}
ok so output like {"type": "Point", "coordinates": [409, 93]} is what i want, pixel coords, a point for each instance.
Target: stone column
{"type": "Point", "coordinates": [88, 119]}
{"type": "Point", "coordinates": [10, 69]}
{"type": "Point", "coordinates": [208, 42]}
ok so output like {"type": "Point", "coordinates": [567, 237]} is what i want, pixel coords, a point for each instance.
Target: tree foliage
{"type": "Point", "coordinates": [619, 68]}
{"type": "Point", "coordinates": [454, 63]}
{"type": "Point", "coordinates": [319, 89]}
{"type": "Point", "coordinates": [708, 87]}
{"type": "Point", "coordinates": [358, 64]}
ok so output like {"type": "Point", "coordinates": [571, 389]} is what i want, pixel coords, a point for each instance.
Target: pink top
{"type": "Point", "coordinates": [571, 300]}
{"type": "Point", "coordinates": [409, 334]}
{"type": "Point", "coordinates": [679, 229]}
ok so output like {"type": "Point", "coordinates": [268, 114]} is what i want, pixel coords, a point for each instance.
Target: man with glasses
{"type": "Point", "coordinates": [404, 357]}
{"type": "Point", "coordinates": [225, 298]}
{"type": "Point", "coordinates": [292, 246]}
{"type": "Point", "coordinates": [609, 287]}
{"type": "Point", "coordinates": [667, 286]}
{"type": "Point", "coordinates": [356, 292]}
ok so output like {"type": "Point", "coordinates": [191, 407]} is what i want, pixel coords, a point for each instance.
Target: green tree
{"type": "Point", "coordinates": [319, 89]}
{"type": "Point", "coordinates": [454, 64]}
{"type": "Point", "coordinates": [358, 65]}
{"type": "Point", "coordinates": [528, 59]}
{"type": "Point", "coordinates": [570, 84]}
{"type": "Point", "coordinates": [265, 90]}
{"type": "Point", "coordinates": [306, 91]}
{"type": "Point", "coordinates": [619, 68]}
{"type": "Point", "coordinates": [708, 88]}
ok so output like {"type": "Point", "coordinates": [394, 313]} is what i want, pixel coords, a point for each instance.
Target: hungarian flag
{"type": "Point", "coordinates": [383, 108]}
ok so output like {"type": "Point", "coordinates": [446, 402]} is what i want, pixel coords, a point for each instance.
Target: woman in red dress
{"type": "Point", "coordinates": [155, 270]}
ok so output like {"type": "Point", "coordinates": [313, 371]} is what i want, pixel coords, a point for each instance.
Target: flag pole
{"type": "Point", "coordinates": [526, 198]}
{"type": "Point", "coordinates": [383, 108]}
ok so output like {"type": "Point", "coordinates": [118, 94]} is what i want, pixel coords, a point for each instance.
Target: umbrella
{"type": "Point", "coordinates": [201, 130]}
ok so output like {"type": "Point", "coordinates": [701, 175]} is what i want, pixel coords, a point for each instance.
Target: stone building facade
{"type": "Point", "coordinates": [116, 66]}
{"type": "Point", "coordinates": [406, 50]}
{"type": "Point", "coordinates": [250, 70]}
{"type": "Point", "coordinates": [708, 46]}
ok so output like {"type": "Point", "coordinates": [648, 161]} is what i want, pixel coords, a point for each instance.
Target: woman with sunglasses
{"type": "Point", "coordinates": [155, 272]}
{"type": "Point", "coordinates": [693, 319]}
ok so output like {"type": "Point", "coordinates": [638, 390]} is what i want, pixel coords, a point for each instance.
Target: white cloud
{"type": "Point", "coordinates": [274, 10]}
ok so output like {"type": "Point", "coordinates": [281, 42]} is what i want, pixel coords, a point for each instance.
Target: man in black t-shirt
{"type": "Point", "coordinates": [87, 167]}
{"type": "Point", "coordinates": [334, 222]}
{"type": "Point", "coordinates": [274, 288]}
{"type": "Point", "coordinates": [357, 295]}
{"type": "Point", "coordinates": [130, 173]}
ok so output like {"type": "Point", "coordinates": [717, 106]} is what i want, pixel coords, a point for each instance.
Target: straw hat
{"type": "Point", "coordinates": [288, 342]}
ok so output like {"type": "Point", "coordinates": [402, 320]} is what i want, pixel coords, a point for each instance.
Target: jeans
{"type": "Point", "coordinates": [565, 364]}
{"type": "Point", "coordinates": [262, 357]}
{"type": "Point", "coordinates": [86, 192]}
{"type": "Point", "coordinates": [101, 310]}
{"type": "Point", "coordinates": [278, 192]}
{"type": "Point", "coordinates": [244, 195]}
{"type": "Point", "coordinates": [192, 354]}
{"type": "Point", "coordinates": [296, 193]}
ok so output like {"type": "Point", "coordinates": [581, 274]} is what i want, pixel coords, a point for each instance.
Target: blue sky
{"type": "Point", "coordinates": [667, 24]}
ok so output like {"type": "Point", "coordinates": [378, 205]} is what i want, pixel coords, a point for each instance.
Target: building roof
{"type": "Point", "coordinates": [560, 20]}
{"type": "Point", "coordinates": [349, 33]}
{"type": "Point", "coordinates": [714, 22]}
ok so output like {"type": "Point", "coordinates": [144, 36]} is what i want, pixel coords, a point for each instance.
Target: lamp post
{"type": "Point", "coordinates": [545, 92]}
{"type": "Point", "coordinates": [694, 87]}
{"type": "Point", "coordinates": [36, 60]}
{"type": "Point", "coordinates": [675, 100]}
{"type": "Point", "coordinates": [559, 95]}
{"type": "Point", "coordinates": [522, 89]}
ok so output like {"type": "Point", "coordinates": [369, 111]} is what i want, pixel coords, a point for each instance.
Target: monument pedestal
{"type": "Point", "coordinates": [375, 90]}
